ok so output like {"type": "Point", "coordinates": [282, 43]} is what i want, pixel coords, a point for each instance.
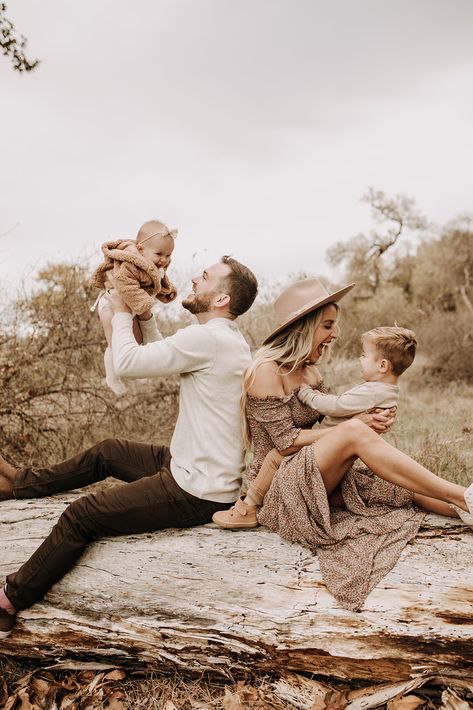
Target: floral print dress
{"type": "Point", "coordinates": [356, 545]}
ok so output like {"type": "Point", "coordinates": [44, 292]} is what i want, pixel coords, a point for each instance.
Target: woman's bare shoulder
{"type": "Point", "coordinates": [267, 381]}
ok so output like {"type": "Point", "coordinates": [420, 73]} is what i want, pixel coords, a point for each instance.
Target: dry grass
{"type": "Point", "coordinates": [434, 422]}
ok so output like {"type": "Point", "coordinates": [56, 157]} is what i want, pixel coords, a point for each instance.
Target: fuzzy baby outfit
{"type": "Point", "coordinates": [138, 281]}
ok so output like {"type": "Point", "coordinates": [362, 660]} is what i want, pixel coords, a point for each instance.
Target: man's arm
{"type": "Point", "coordinates": [149, 327]}
{"type": "Point", "coordinates": [188, 350]}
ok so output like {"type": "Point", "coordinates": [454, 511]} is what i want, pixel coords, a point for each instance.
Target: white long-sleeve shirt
{"type": "Point", "coordinates": [355, 400]}
{"type": "Point", "coordinates": [207, 455]}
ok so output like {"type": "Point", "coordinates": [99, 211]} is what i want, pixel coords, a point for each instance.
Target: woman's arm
{"type": "Point", "coordinates": [304, 438]}
{"type": "Point", "coordinates": [268, 383]}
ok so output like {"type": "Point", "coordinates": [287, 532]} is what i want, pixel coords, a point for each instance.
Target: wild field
{"type": "Point", "coordinates": [434, 422]}
{"type": "Point", "coordinates": [435, 425]}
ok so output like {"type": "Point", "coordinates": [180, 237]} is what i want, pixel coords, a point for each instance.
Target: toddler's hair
{"type": "Point", "coordinates": [154, 228]}
{"type": "Point", "coordinates": [398, 345]}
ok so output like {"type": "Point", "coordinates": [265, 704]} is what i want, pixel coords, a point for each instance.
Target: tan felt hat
{"type": "Point", "coordinates": [301, 298]}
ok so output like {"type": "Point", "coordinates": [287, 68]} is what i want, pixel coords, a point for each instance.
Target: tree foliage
{"type": "Point", "coordinates": [364, 255]}
{"type": "Point", "coordinates": [53, 399]}
{"type": "Point", "coordinates": [429, 289]}
{"type": "Point", "coordinates": [13, 45]}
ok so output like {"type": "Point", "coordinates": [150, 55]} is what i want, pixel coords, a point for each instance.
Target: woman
{"type": "Point", "coordinates": [358, 522]}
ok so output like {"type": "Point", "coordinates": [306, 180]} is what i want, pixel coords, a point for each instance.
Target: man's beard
{"type": "Point", "coordinates": [198, 304]}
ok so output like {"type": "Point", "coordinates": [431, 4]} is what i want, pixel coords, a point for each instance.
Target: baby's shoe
{"type": "Point", "coordinates": [466, 516]}
{"type": "Point", "coordinates": [114, 382]}
{"type": "Point", "coordinates": [240, 516]}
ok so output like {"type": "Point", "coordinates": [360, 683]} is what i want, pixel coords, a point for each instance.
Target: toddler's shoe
{"type": "Point", "coordinates": [239, 517]}
{"type": "Point", "coordinates": [466, 516]}
{"type": "Point", "coordinates": [7, 622]}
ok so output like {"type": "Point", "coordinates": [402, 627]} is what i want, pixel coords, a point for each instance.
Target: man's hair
{"type": "Point", "coordinates": [398, 345]}
{"type": "Point", "coordinates": [241, 285]}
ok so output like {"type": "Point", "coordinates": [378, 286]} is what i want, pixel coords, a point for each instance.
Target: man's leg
{"type": "Point", "coordinates": [149, 504]}
{"type": "Point", "coordinates": [126, 460]}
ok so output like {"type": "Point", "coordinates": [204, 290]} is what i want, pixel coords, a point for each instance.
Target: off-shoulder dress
{"type": "Point", "coordinates": [356, 545]}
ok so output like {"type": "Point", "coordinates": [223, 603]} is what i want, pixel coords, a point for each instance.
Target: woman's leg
{"type": "Point", "coordinates": [120, 458]}
{"type": "Point", "coordinates": [352, 439]}
{"type": "Point", "coordinates": [434, 506]}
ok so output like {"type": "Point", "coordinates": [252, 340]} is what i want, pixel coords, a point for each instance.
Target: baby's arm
{"type": "Point", "coordinates": [353, 401]}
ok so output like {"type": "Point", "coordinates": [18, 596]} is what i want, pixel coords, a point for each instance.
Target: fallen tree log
{"type": "Point", "coordinates": [206, 599]}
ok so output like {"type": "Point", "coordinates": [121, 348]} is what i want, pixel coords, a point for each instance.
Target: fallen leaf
{"type": "Point", "coordinates": [24, 681]}
{"type": "Point", "coordinates": [452, 701]}
{"type": "Point", "coordinates": [169, 705]}
{"type": "Point", "coordinates": [376, 695]}
{"type": "Point", "coordinates": [115, 704]}
{"type": "Point", "coordinates": [11, 702]}
{"type": "Point", "coordinates": [67, 701]}
{"type": "Point", "coordinates": [231, 701]}
{"type": "Point", "coordinates": [117, 674]}
{"type": "Point", "coordinates": [336, 700]}
{"type": "Point", "coordinates": [42, 688]}
{"type": "Point", "coordinates": [92, 686]}
{"type": "Point", "coordinates": [25, 701]}
{"type": "Point", "coordinates": [407, 702]}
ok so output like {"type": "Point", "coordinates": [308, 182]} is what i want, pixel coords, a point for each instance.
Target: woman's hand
{"type": "Point", "coordinates": [380, 420]}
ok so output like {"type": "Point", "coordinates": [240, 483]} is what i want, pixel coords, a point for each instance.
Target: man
{"type": "Point", "coordinates": [178, 486]}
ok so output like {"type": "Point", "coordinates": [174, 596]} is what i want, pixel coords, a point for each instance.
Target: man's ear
{"type": "Point", "coordinates": [222, 300]}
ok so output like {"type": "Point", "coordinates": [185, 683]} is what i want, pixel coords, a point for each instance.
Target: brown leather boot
{"type": "Point", "coordinates": [239, 517]}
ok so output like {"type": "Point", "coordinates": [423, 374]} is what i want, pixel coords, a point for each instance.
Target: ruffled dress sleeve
{"type": "Point", "coordinates": [275, 417]}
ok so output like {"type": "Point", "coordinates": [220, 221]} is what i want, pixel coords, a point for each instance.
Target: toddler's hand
{"type": "Point", "coordinates": [304, 389]}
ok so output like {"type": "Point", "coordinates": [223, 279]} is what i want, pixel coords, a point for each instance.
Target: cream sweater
{"type": "Point", "coordinates": [344, 406]}
{"type": "Point", "coordinates": [207, 455]}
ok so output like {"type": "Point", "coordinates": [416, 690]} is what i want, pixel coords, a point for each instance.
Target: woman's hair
{"type": "Point", "coordinates": [289, 349]}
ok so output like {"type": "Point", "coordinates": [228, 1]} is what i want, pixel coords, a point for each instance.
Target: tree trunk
{"type": "Point", "coordinates": [209, 599]}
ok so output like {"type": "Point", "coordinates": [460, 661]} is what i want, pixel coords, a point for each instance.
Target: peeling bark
{"type": "Point", "coordinates": [206, 599]}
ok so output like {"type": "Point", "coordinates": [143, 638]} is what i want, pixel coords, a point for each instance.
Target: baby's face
{"type": "Point", "coordinates": [158, 250]}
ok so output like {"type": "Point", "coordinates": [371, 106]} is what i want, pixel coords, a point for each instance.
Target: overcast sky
{"type": "Point", "coordinates": [253, 126]}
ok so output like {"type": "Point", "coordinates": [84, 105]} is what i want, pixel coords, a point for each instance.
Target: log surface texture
{"type": "Point", "coordinates": [206, 599]}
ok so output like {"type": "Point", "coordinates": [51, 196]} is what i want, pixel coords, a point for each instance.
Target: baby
{"type": "Point", "coordinates": [387, 353]}
{"type": "Point", "coordinates": [137, 269]}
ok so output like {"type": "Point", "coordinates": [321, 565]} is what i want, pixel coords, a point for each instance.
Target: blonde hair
{"type": "Point", "coordinates": [289, 349]}
{"type": "Point", "coordinates": [398, 345]}
{"type": "Point", "coordinates": [154, 228]}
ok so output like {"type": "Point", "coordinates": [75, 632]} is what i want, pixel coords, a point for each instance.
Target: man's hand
{"type": "Point", "coordinates": [115, 301]}
{"type": "Point", "coordinates": [380, 420]}
{"type": "Point", "coordinates": [146, 315]}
